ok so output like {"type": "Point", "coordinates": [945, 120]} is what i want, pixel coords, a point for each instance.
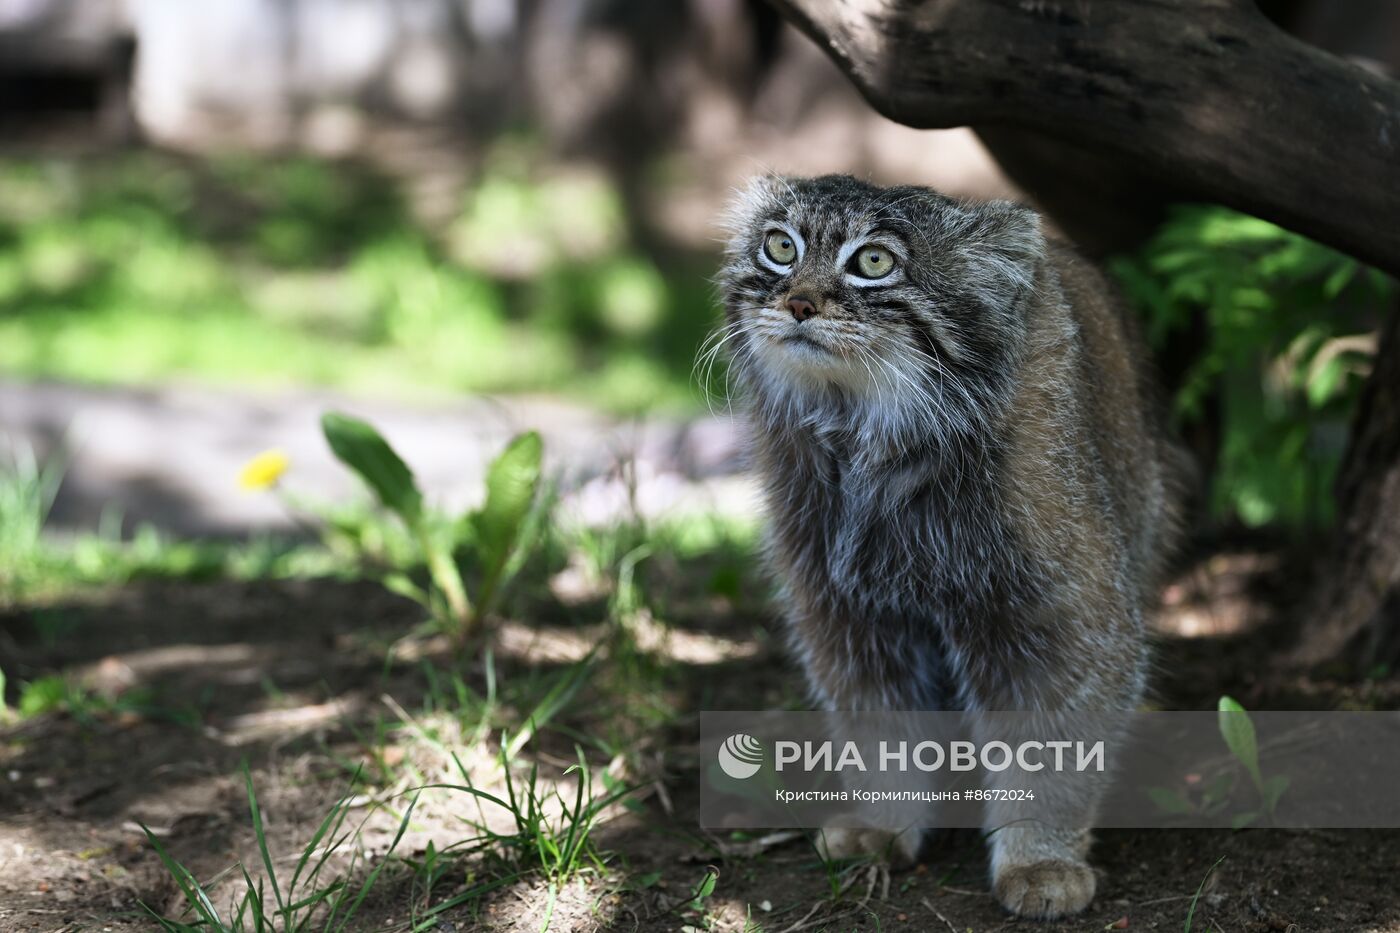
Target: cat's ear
{"type": "Point", "coordinates": [770, 186]}
{"type": "Point", "coordinates": [1013, 229]}
{"type": "Point", "coordinates": [1004, 250]}
{"type": "Point", "coordinates": [761, 195]}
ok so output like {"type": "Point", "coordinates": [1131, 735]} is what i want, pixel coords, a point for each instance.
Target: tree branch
{"type": "Point", "coordinates": [1205, 94]}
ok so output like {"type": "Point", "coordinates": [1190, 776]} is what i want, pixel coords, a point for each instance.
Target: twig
{"type": "Point", "coordinates": [751, 847]}
{"type": "Point", "coordinates": [870, 886]}
{"type": "Point", "coordinates": [805, 917]}
{"type": "Point", "coordinates": [805, 923]}
{"type": "Point", "coordinates": [946, 922]}
{"type": "Point", "coordinates": [663, 796]}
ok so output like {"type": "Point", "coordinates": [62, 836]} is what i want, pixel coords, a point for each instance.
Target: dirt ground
{"type": "Point", "coordinates": [289, 676]}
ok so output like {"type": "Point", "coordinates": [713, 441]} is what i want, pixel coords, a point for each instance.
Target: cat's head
{"type": "Point", "coordinates": [897, 296]}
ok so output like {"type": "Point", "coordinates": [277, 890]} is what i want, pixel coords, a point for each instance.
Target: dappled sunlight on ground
{"type": "Point", "coordinates": [333, 691]}
{"type": "Point", "coordinates": [1217, 596]}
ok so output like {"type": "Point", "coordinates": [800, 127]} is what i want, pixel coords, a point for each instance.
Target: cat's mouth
{"type": "Point", "coordinates": [797, 338]}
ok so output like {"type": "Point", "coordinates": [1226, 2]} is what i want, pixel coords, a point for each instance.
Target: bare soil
{"type": "Point", "coordinates": [288, 676]}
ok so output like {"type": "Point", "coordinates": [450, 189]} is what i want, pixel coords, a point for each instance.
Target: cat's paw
{"type": "Point", "coordinates": [896, 849]}
{"type": "Point", "coordinates": [1045, 890]}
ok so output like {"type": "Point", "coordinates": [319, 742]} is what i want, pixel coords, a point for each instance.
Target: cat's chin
{"type": "Point", "coordinates": [806, 365]}
{"type": "Point", "coordinates": [798, 342]}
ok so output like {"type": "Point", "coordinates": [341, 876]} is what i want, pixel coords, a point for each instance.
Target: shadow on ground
{"type": "Point", "coordinates": [289, 677]}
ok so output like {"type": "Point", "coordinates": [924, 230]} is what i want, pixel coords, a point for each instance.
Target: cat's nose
{"type": "Point", "coordinates": [801, 308]}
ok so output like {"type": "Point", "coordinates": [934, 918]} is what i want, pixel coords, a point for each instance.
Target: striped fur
{"type": "Point", "coordinates": [969, 501]}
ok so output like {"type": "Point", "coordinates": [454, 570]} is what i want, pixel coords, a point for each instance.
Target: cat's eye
{"type": "Point", "coordinates": [779, 247]}
{"type": "Point", "coordinates": [874, 262]}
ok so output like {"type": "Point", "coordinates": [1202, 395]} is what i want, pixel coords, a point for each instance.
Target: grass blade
{"type": "Point", "coordinates": [374, 875]}
{"type": "Point", "coordinates": [1191, 912]}
{"type": "Point", "coordinates": [189, 887]}
{"type": "Point", "coordinates": [260, 832]}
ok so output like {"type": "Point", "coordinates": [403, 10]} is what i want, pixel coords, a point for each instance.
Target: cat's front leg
{"type": "Point", "coordinates": [1083, 680]}
{"type": "Point", "coordinates": [856, 685]}
{"type": "Point", "coordinates": [1042, 872]}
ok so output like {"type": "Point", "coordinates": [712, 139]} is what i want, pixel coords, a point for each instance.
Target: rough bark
{"type": "Point", "coordinates": [1355, 609]}
{"type": "Point", "coordinates": [1207, 96]}
{"type": "Point", "coordinates": [1102, 202]}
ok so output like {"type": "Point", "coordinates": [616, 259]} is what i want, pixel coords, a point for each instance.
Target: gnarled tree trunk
{"type": "Point", "coordinates": [1355, 609]}
{"type": "Point", "coordinates": [1206, 95]}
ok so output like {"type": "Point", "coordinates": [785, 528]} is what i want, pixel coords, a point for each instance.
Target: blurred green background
{"type": "Point", "coordinates": [499, 197]}
{"type": "Point", "coordinates": [253, 272]}
{"type": "Point", "coordinates": [265, 272]}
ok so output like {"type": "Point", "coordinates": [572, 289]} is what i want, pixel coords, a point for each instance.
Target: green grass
{"type": "Point", "coordinates": [550, 811]}
{"type": "Point", "coordinates": [641, 574]}
{"type": "Point", "coordinates": [512, 811]}
{"type": "Point", "coordinates": [550, 814]}
{"type": "Point", "coordinates": [515, 534]}
{"type": "Point", "coordinates": [145, 268]}
{"type": "Point", "coordinates": [551, 840]}
{"type": "Point", "coordinates": [27, 491]}
{"type": "Point", "coordinates": [35, 564]}
{"type": "Point", "coordinates": [322, 892]}
{"type": "Point", "coordinates": [1196, 898]}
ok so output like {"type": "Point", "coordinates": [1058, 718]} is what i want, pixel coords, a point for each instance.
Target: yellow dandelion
{"type": "Point", "coordinates": [263, 471]}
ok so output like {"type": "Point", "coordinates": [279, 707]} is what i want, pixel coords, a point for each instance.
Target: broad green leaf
{"type": "Point", "coordinates": [511, 484]}
{"type": "Point", "coordinates": [705, 888]}
{"type": "Point", "coordinates": [1218, 790]}
{"type": "Point", "coordinates": [642, 882]}
{"type": "Point", "coordinates": [360, 447]}
{"type": "Point", "coordinates": [1238, 732]}
{"type": "Point", "coordinates": [43, 696]}
{"type": "Point", "coordinates": [1323, 381]}
{"type": "Point", "coordinates": [1339, 279]}
{"type": "Point", "coordinates": [402, 585]}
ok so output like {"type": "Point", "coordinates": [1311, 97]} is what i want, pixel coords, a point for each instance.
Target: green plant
{"type": "Point", "coordinates": [461, 717]}
{"type": "Point", "coordinates": [498, 533]}
{"type": "Point", "coordinates": [1213, 798]}
{"type": "Point", "coordinates": [428, 872]}
{"type": "Point", "coordinates": [57, 693]}
{"type": "Point", "coordinates": [33, 561]}
{"type": "Point", "coordinates": [50, 694]}
{"type": "Point", "coordinates": [317, 896]}
{"type": "Point", "coordinates": [704, 889]}
{"type": "Point", "coordinates": [552, 833]}
{"type": "Point", "coordinates": [27, 491]}
{"type": "Point", "coordinates": [1237, 729]}
{"type": "Point", "coordinates": [696, 907]}
{"type": "Point", "coordinates": [1287, 346]}
{"type": "Point", "coordinates": [1195, 899]}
